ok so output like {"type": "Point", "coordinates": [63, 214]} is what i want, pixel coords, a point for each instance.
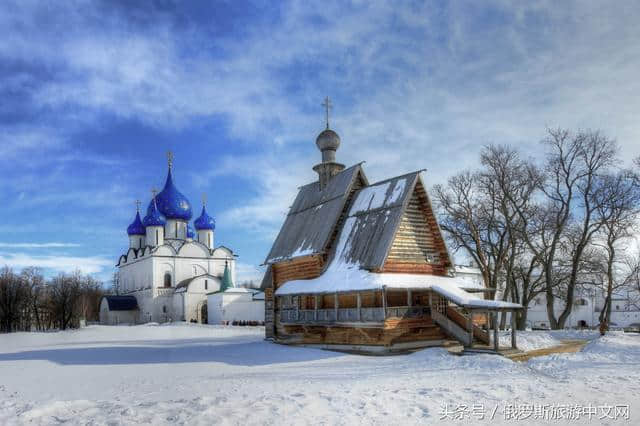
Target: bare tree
{"type": "Point", "coordinates": [513, 183]}
{"type": "Point", "coordinates": [569, 217]}
{"type": "Point", "coordinates": [13, 298]}
{"type": "Point", "coordinates": [618, 208]}
{"type": "Point", "coordinates": [65, 295]}
{"type": "Point", "coordinates": [36, 297]}
{"type": "Point", "coordinates": [469, 217]}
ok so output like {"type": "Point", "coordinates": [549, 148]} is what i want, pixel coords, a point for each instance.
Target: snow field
{"type": "Point", "coordinates": [191, 374]}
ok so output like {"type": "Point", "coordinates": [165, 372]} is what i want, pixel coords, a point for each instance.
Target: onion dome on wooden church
{"type": "Point", "coordinates": [153, 217]}
{"type": "Point", "coordinates": [190, 232]}
{"type": "Point", "coordinates": [171, 202]}
{"type": "Point", "coordinates": [205, 221]}
{"type": "Point", "coordinates": [136, 227]}
{"type": "Point", "coordinates": [328, 140]}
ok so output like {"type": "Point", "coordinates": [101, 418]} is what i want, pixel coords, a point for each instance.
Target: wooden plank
{"type": "Point", "coordinates": [513, 330]}
{"type": "Point", "coordinates": [496, 339]}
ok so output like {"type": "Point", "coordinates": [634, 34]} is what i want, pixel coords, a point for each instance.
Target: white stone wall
{"type": "Point", "coordinates": [174, 225]}
{"type": "Point", "coordinates": [116, 317]}
{"type": "Point", "coordinates": [234, 307]}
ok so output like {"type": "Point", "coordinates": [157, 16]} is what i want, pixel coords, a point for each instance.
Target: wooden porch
{"type": "Point", "coordinates": [401, 316]}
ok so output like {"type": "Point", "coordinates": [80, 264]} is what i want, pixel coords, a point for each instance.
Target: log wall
{"type": "Point", "coordinates": [394, 330]}
{"type": "Point", "coordinates": [418, 247]}
{"type": "Point", "coordinates": [302, 268]}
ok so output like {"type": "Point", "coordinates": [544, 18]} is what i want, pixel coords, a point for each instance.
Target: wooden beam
{"type": "Point", "coordinates": [359, 303]}
{"type": "Point", "coordinates": [384, 300]}
{"type": "Point", "coordinates": [513, 330]}
{"type": "Point", "coordinates": [496, 338]}
{"type": "Point", "coordinates": [470, 327]}
{"type": "Point", "coordinates": [315, 307]}
{"type": "Point", "coordinates": [409, 297]}
{"type": "Point", "coordinates": [335, 305]}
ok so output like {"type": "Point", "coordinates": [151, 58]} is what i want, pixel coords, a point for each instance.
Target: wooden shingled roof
{"type": "Point", "coordinates": [372, 221]}
{"type": "Point", "coordinates": [313, 216]}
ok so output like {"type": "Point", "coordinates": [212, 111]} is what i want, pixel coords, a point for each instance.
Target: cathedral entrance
{"type": "Point", "coordinates": [202, 313]}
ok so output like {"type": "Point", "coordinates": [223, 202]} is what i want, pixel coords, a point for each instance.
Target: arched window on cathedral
{"type": "Point", "coordinates": [167, 279]}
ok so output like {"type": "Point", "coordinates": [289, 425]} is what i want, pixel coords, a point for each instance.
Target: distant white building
{"type": "Point", "coordinates": [169, 268]}
{"type": "Point", "coordinates": [236, 305]}
{"type": "Point", "coordinates": [587, 305]}
{"type": "Point", "coordinates": [586, 310]}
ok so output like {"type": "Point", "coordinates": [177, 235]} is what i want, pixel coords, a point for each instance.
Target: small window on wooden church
{"type": "Point", "coordinates": [167, 280]}
{"type": "Point", "coordinates": [164, 309]}
{"type": "Point", "coordinates": [206, 284]}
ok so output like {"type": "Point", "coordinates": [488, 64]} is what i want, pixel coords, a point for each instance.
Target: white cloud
{"type": "Point", "coordinates": [38, 245]}
{"type": "Point", "coordinates": [247, 272]}
{"type": "Point", "coordinates": [415, 86]}
{"type": "Point", "coordinates": [87, 265]}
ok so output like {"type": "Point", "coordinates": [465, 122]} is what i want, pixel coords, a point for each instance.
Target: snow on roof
{"type": "Point", "coordinates": [341, 278]}
{"type": "Point", "coordinates": [376, 212]}
{"type": "Point", "coordinates": [464, 269]}
{"type": "Point", "coordinates": [377, 196]}
{"type": "Point", "coordinates": [312, 217]}
{"type": "Point", "coordinates": [460, 297]}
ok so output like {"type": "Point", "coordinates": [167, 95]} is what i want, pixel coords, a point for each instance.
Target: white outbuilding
{"type": "Point", "coordinates": [236, 305]}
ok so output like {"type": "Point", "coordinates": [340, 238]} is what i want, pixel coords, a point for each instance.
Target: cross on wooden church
{"type": "Point", "coordinates": [138, 205]}
{"type": "Point", "coordinates": [327, 106]}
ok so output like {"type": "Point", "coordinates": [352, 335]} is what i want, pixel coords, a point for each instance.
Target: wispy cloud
{"type": "Point", "coordinates": [38, 245]}
{"type": "Point", "coordinates": [415, 85]}
{"type": "Point", "coordinates": [248, 272]}
{"type": "Point", "coordinates": [53, 263]}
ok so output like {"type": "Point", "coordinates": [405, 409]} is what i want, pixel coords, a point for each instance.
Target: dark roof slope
{"type": "Point", "coordinates": [374, 217]}
{"type": "Point", "coordinates": [313, 216]}
{"type": "Point", "coordinates": [122, 303]}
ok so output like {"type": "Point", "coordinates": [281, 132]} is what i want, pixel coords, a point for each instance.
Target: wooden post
{"type": "Point", "coordinates": [315, 307]}
{"type": "Point", "coordinates": [384, 301]}
{"type": "Point", "coordinates": [359, 304]}
{"type": "Point", "coordinates": [335, 304]}
{"type": "Point", "coordinates": [513, 330]}
{"type": "Point", "coordinates": [470, 327]}
{"type": "Point", "coordinates": [496, 338]}
{"type": "Point", "coordinates": [409, 297]}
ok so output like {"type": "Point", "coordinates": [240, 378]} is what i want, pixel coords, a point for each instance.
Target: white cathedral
{"type": "Point", "coordinates": [169, 268]}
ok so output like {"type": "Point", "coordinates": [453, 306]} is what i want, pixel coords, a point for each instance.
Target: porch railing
{"type": "Point", "coordinates": [351, 314]}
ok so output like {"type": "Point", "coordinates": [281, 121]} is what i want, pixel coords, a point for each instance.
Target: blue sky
{"type": "Point", "coordinates": [95, 93]}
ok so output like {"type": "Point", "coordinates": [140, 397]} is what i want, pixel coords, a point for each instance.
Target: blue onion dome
{"type": "Point", "coordinates": [171, 202]}
{"type": "Point", "coordinates": [154, 217]}
{"type": "Point", "coordinates": [205, 221]}
{"type": "Point", "coordinates": [136, 227]}
{"type": "Point", "coordinates": [190, 232]}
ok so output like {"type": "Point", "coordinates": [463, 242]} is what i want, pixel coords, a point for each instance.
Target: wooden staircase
{"type": "Point", "coordinates": [456, 324]}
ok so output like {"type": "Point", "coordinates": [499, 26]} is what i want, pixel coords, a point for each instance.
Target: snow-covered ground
{"type": "Point", "coordinates": [205, 374]}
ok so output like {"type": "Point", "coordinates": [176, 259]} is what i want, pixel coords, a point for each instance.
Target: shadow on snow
{"type": "Point", "coordinates": [176, 352]}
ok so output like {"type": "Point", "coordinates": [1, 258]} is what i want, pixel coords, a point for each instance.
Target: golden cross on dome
{"type": "Point", "coordinates": [170, 159]}
{"type": "Point", "coordinates": [138, 205]}
{"type": "Point", "coordinates": [204, 199]}
{"type": "Point", "coordinates": [327, 106]}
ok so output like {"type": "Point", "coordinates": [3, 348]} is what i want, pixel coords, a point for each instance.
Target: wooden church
{"type": "Point", "coordinates": [364, 267]}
